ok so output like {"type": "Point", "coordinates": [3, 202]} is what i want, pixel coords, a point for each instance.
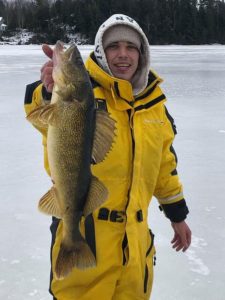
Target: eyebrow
{"type": "Point", "coordinates": [115, 43]}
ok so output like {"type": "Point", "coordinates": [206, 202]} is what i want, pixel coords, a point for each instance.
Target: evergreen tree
{"type": "Point", "coordinates": [41, 15]}
{"type": "Point", "coordinates": [163, 21]}
{"type": "Point", "coordinates": [220, 24]}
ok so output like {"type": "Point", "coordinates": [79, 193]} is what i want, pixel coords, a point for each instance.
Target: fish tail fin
{"type": "Point", "coordinates": [79, 256]}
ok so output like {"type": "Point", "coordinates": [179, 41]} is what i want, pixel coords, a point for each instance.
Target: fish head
{"type": "Point", "coordinates": [69, 72]}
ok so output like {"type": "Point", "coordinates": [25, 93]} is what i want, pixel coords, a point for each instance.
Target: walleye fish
{"type": "Point", "coordinates": [76, 135]}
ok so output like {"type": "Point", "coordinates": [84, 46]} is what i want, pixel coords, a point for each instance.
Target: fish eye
{"type": "Point", "coordinates": [79, 61]}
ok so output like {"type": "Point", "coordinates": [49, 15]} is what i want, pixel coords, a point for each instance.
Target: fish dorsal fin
{"type": "Point", "coordinates": [43, 115]}
{"type": "Point", "coordinates": [96, 196]}
{"type": "Point", "coordinates": [104, 135]}
{"type": "Point", "coordinates": [48, 204]}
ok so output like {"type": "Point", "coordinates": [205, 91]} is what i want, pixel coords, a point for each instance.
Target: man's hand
{"type": "Point", "coordinates": [182, 236]}
{"type": "Point", "coordinates": [46, 70]}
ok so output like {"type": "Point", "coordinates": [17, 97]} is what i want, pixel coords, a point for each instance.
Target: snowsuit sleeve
{"type": "Point", "coordinates": [35, 96]}
{"type": "Point", "coordinates": [169, 191]}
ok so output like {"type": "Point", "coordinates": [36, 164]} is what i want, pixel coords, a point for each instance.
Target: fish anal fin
{"type": "Point", "coordinates": [48, 204]}
{"type": "Point", "coordinates": [97, 195]}
{"type": "Point", "coordinates": [104, 135]}
{"type": "Point", "coordinates": [43, 115]}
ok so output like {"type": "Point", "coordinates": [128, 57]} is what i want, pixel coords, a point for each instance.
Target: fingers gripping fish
{"type": "Point", "coordinates": [77, 133]}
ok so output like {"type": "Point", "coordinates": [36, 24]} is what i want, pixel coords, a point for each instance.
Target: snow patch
{"type": "Point", "coordinates": [210, 208]}
{"type": "Point", "coordinates": [14, 262]}
{"type": "Point", "coordinates": [25, 37]}
{"type": "Point", "coordinates": [33, 293]}
{"type": "Point", "coordinates": [4, 259]}
{"type": "Point", "coordinates": [197, 264]}
{"type": "Point", "coordinates": [20, 37]}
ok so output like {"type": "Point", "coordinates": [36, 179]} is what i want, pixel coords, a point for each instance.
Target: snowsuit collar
{"type": "Point", "coordinates": [121, 89]}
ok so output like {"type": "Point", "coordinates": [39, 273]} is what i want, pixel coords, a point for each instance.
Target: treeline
{"type": "Point", "coordinates": [164, 21]}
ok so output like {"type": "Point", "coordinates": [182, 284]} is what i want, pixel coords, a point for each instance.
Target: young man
{"type": "Point", "coordinates": [142, 163]}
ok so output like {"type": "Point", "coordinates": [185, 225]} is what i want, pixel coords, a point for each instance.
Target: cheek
{"type": "Point", "coordinates": [135, 58]}
{"type": "Point", "coordinates": [136, 61]}
{"type": "Point", "coordinates": [109, 57]}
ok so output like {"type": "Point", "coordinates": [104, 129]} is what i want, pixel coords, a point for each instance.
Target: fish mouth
{"type": "Point", "coordinates": [73, 55]}
{"type": "Point", "coordinates": [63, 56]}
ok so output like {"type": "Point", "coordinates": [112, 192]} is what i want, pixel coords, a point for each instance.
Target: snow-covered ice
{"type": "Point", "coordinates": [194, 82]}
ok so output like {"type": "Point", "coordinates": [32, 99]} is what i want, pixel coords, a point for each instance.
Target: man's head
{"type": "Point", "coordinates": [122, 58]}
{"type": "Point", "coordinates": [122, 50]}
{"type": "Point", "coordinates": [121, 45]}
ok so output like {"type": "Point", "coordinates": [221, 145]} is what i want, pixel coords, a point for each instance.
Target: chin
{"type": "Point", "coordinates": [124, 77]}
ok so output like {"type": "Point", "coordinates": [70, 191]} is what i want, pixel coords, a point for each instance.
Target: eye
{"type": "Point", "coordinates": [79, 61]}
{"type": "Point", "coordinates": [112, 46]}
{"type": "Point", "coordinates": [132, 47]}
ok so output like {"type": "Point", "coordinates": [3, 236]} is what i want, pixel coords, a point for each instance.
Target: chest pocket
{"type": "Point", "coordinates": [148, 132]}
{"type": "Point", "coordinates": [151, 123]}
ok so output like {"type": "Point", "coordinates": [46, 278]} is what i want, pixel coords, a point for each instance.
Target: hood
{"type": "Point", "coordinates": [140, 79]}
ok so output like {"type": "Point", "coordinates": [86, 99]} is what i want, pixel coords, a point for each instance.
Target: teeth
{"type": "Point", "coordinates": [122, 65]}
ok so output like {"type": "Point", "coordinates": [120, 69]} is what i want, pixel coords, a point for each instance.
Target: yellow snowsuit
{"type": "Point", "coordinates": [142, 163]}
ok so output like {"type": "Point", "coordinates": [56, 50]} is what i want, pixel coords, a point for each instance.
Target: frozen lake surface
{"type": "Point", "coordinates": [195, 87]}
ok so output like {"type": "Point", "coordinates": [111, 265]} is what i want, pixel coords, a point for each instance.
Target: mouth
{"type": "Point", "coordinates": [122, 66]}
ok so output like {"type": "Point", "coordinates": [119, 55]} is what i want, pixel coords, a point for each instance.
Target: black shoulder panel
{"type": "Point", "coordinates": [151, 103]}
{"type": "Point", "coordinates": [171, 121]}
{"type": "Point", "coordinates": [29, 91]}
{"type": "Point", "coordinates": [145, 95]}
{"type": "Point", "coordinates": [45, 94]}
{"type": "Point", "coordinates": [94, 83]}
{"type": "Point", "coordinates": [151, 77]}
{"type": "Point", "coordinates": [94, 58]}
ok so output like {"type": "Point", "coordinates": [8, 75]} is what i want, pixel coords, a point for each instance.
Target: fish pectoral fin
{"type": "Point", "coordinates": [33, 117]}
{"type": "Point", "coordinates": [43, 115]}
{"type": "Point", "coordinates": [104, 136]}
{"type": "Point", "coordinates": [48, 204]}
{"type": "Point", "coordinates": [97, 195]}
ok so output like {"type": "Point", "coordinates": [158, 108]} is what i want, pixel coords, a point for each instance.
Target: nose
{"type": "Point", "coordinates": [122, 52]}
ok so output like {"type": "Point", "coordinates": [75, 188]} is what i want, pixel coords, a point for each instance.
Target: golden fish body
{"type": "Point", "coordinates": [76, 135]}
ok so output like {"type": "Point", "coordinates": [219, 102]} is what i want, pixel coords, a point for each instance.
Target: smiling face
{"type": "Point", "coordinates": [122, 58]}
